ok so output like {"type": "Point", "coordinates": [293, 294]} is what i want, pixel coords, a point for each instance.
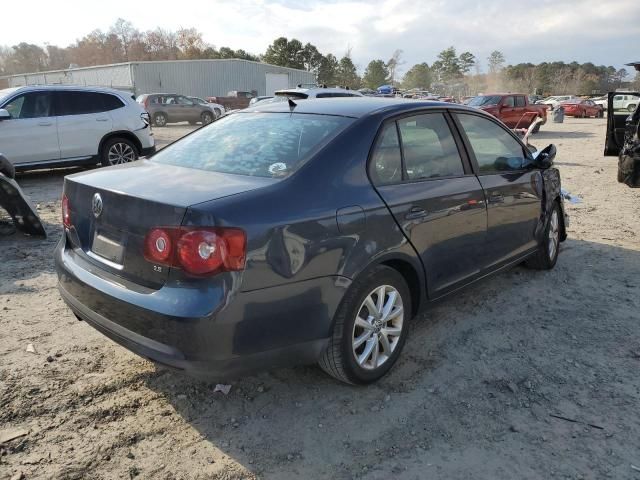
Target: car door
{"type": "Point", "coordinates": [428, 185]}
{"type": "Point", "coordinates": [619, 121]}
{"type": "Point", "coordinates": [82, 123]}
{"type": "Point", "coordinates": [189, 110]}
{"type": "Point", "coordinates": [173, 109]}
{"type": "Point", "coordinates": [508, 111]}
{"type": "Point", "coordinates": [513, 191]}
{"type": "Point", "coordinates": [31, 134]}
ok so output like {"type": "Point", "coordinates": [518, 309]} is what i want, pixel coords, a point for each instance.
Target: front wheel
{"type": "Point", "coordinates": [370, 328]}
{"type": "Point", "coordinates": [631, 108]}
{"type": "Point", "coordinates": [160, 119]}
{"type": "Point", "coordinates": [547, 255]}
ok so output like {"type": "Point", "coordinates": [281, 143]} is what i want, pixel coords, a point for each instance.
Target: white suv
{"type": "Point", "coordinates": [52, 126]}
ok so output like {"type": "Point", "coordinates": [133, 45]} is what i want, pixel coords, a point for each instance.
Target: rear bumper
{"type": "Point", "coordinates": [211, 332]}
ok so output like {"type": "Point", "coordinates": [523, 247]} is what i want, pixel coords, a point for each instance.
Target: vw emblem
{"type": "Point", "coordinates": [96, 205]}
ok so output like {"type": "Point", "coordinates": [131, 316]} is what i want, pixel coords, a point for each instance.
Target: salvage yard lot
{"type": "Point", "coordinates": [529, 375]}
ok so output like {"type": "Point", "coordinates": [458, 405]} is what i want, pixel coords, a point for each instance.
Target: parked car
{"type": "Point", "coordinates": [303, 93]}
{"type": "Point", "coordinates": [218, 110]}
{"type": "Point", "coordinates": [513, 109]}
{"type": "Point", "coordinates": [235, 100]}
{"type": "Point", "coordinates": [52, 126]}
{"type": "Point", "coordinates": [554, 101]}
{"type": "Point", "coordinates": [167, 108]}
{"type": "Point", "coordinates": [306, 233]}
{"type": "Point", "coordinates": [623, 138]}
{"type": "Point", "coordinates": [582, 108]}
{"type": "Point", "coordinates": [601, 101]}
{"type": "Point", "coordinates": [627, 101]}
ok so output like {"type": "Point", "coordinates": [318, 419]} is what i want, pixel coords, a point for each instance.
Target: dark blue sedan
{"type": "Point", "coordinates": [300, 233]}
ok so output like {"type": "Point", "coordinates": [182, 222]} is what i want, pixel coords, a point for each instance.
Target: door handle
{"type": "Point", "coordinates": [45, 124]}
{"type": "Point", "coordinates": [416, 213]}
{"type": "Point", "coordinates": [102, 119]}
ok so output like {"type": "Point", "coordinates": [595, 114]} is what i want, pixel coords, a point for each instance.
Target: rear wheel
{"type": "Point", "coordinates": [600, 114]}
{"type": "Point", "coordinates": [370, 328]}
{"type": "Point", "coordinates": [160, 119]}
{"type": "Point", "coordinates": [547, 255]}
{"type": "Point", "coordinates": [116, 151]}
{"type": "Point", "coordinates": [206, 117]}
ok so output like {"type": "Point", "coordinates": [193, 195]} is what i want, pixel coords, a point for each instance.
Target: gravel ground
{"type": "Point", "coordinates": [527, 375]}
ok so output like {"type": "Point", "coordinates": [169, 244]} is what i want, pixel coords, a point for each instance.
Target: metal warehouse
{"type": "Point", "coordinates": [200, 78]}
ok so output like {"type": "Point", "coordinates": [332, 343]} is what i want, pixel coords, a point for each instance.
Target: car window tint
{"type": "Point", "coordinates": [386, 161]}
{"type": "Point", "coordinates": [428, 147]}
{"type": "Point", "coordinates": [30, 105]}
{"type": "Point", "coordinates": [184, 101]}
{"type": "Point", "coordinates": [257, 144]}
{"type": "Point", "coordinates": [79, 103]}
{"type": "Point", "coordinates": [495, 149]}
{"type": "Point", "coordinates": [111, 102]}
{"type": "Point", "coordinates": [520, 101]}
{"type": "Point", "coordinates": [508, 102]}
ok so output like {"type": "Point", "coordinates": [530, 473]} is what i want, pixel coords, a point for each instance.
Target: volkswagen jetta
{"type": "Point", "coordinates": [300, 233]}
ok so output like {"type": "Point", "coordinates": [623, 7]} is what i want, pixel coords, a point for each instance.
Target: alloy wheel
{"type": "Point", "coordinates": [554, 234]}
{"type": "Point", "coordinates": [121, 153]}
{"type": "Point", "coordinates": [378, 327]}
{"type": "Point", "coordinates": [160, 120]}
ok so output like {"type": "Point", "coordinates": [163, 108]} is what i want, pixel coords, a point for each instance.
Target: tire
{"type": "Point", "coordinates": [339, 359]}
{"type": "Point", "coordinates": [547, 255]}
{"type": "Point", "coordinates": [583, 114]}
{"type": "Point", "coordinates": [631, 108]}
{"type": "Point", "coordinates": [206, 117]}
{"type": "Point", "coordinates": [600, 114]}
{"type": "Point", "coordinates": [621, 176]}
{"type": "Point", "coordinates": [217, 112]}
{"type": "Point", "coordinates": [536, 129]}
{"type": "Point", "coordinates": [160, 119]}
{"type": "Point", "coordinates": [118, 150]}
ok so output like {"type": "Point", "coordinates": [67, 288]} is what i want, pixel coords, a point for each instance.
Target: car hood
{"type": "Point", "coordinates": [169, 184]}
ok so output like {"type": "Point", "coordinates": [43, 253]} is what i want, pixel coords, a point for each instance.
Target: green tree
{"type": "Point", "coordinates": [466, 60]}
{"type": "Point", "coordinates": [447, 67]}
{"type": "Point", "coordinates": [347, 73]}
{"type": "Point", "coordinates": [328, 70]}
{"type": "Point", "coordinates": [285, 53]}
{"type": "Point", "coordinates": [418, 76]}
{"type": "Point", "coordinates": [311, 58]}
{"type": "Point", "coordinates": [496, 61]}
{"type": "Point", "coordinates": [376, 74]}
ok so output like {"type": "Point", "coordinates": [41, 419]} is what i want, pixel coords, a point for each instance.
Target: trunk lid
{"type": "Point", "coordinates": [112, 210]}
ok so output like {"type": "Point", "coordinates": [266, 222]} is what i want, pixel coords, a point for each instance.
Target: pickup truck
{"type": "Point", "coordinates": [235, 99]}
{"type": "Point", "coordinates": [513, 109]}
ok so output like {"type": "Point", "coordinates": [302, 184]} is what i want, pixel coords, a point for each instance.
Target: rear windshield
{"type": "Point", "coordinates": [256, 144]}
{"type": "Point", "coordinates": [484, 100]}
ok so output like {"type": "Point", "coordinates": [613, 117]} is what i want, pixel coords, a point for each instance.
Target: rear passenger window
{"type": "Point", "coordinates": [508, 102]}
{"type": "Point", "coordinates": [81, 103]}
{"type": "Point", "coordinates": [111, 102]}
{"type": "Point", "coordinates": [429, 148]}
{"type": "Point", "coordinates": [386, 161]}
{"type": "Point", "coordinates": [494, 148]}
{"type": "Point", "coordinates": [520, 101]}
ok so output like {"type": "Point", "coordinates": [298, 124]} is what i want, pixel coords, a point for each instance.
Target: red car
{"type": "Point", "coordinates": [582, 109]}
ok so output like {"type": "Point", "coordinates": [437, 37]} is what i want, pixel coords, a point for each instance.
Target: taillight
{"type": "Point", "coordinates": [198, 251]}
{"type": "Point", "coordinates": [66, 212]}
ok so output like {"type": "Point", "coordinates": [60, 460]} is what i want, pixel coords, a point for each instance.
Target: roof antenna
{"type": "Point", "coordinates": [292, 104]}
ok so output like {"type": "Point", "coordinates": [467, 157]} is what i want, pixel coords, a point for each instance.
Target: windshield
{"type": "Point", "coordinates": [4, 93]}
{"type": "Point", "coordinates": [484, 100]}
{"type": "Point", "coordinates": [256, 144]}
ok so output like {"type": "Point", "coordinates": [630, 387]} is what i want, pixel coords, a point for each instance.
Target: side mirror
{"type": "Point", "coordinates": [4, 115]}
{"type": "Point", "coordinates": [544, 158]}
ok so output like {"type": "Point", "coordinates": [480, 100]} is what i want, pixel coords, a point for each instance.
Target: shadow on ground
{"type": "Point", "coordinates": [482, 372]}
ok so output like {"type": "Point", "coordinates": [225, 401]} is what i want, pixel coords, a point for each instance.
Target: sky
{"type": "Point", "coordinates": [598, 31]}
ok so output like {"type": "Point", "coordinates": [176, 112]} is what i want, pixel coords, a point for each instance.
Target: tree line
{"type": "Point", "coordinates": [449, 74]}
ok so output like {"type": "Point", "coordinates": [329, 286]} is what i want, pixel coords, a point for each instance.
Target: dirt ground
{"type": "Point", "coordinates": [477, 393]}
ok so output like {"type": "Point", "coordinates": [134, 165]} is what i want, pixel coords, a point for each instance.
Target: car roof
{"type": "Point", "coordinates": [355, 107]}
{"type": "Point", "coordinates": [27, 88]}
{"type": "Point", "coordinates": [308, 91]}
